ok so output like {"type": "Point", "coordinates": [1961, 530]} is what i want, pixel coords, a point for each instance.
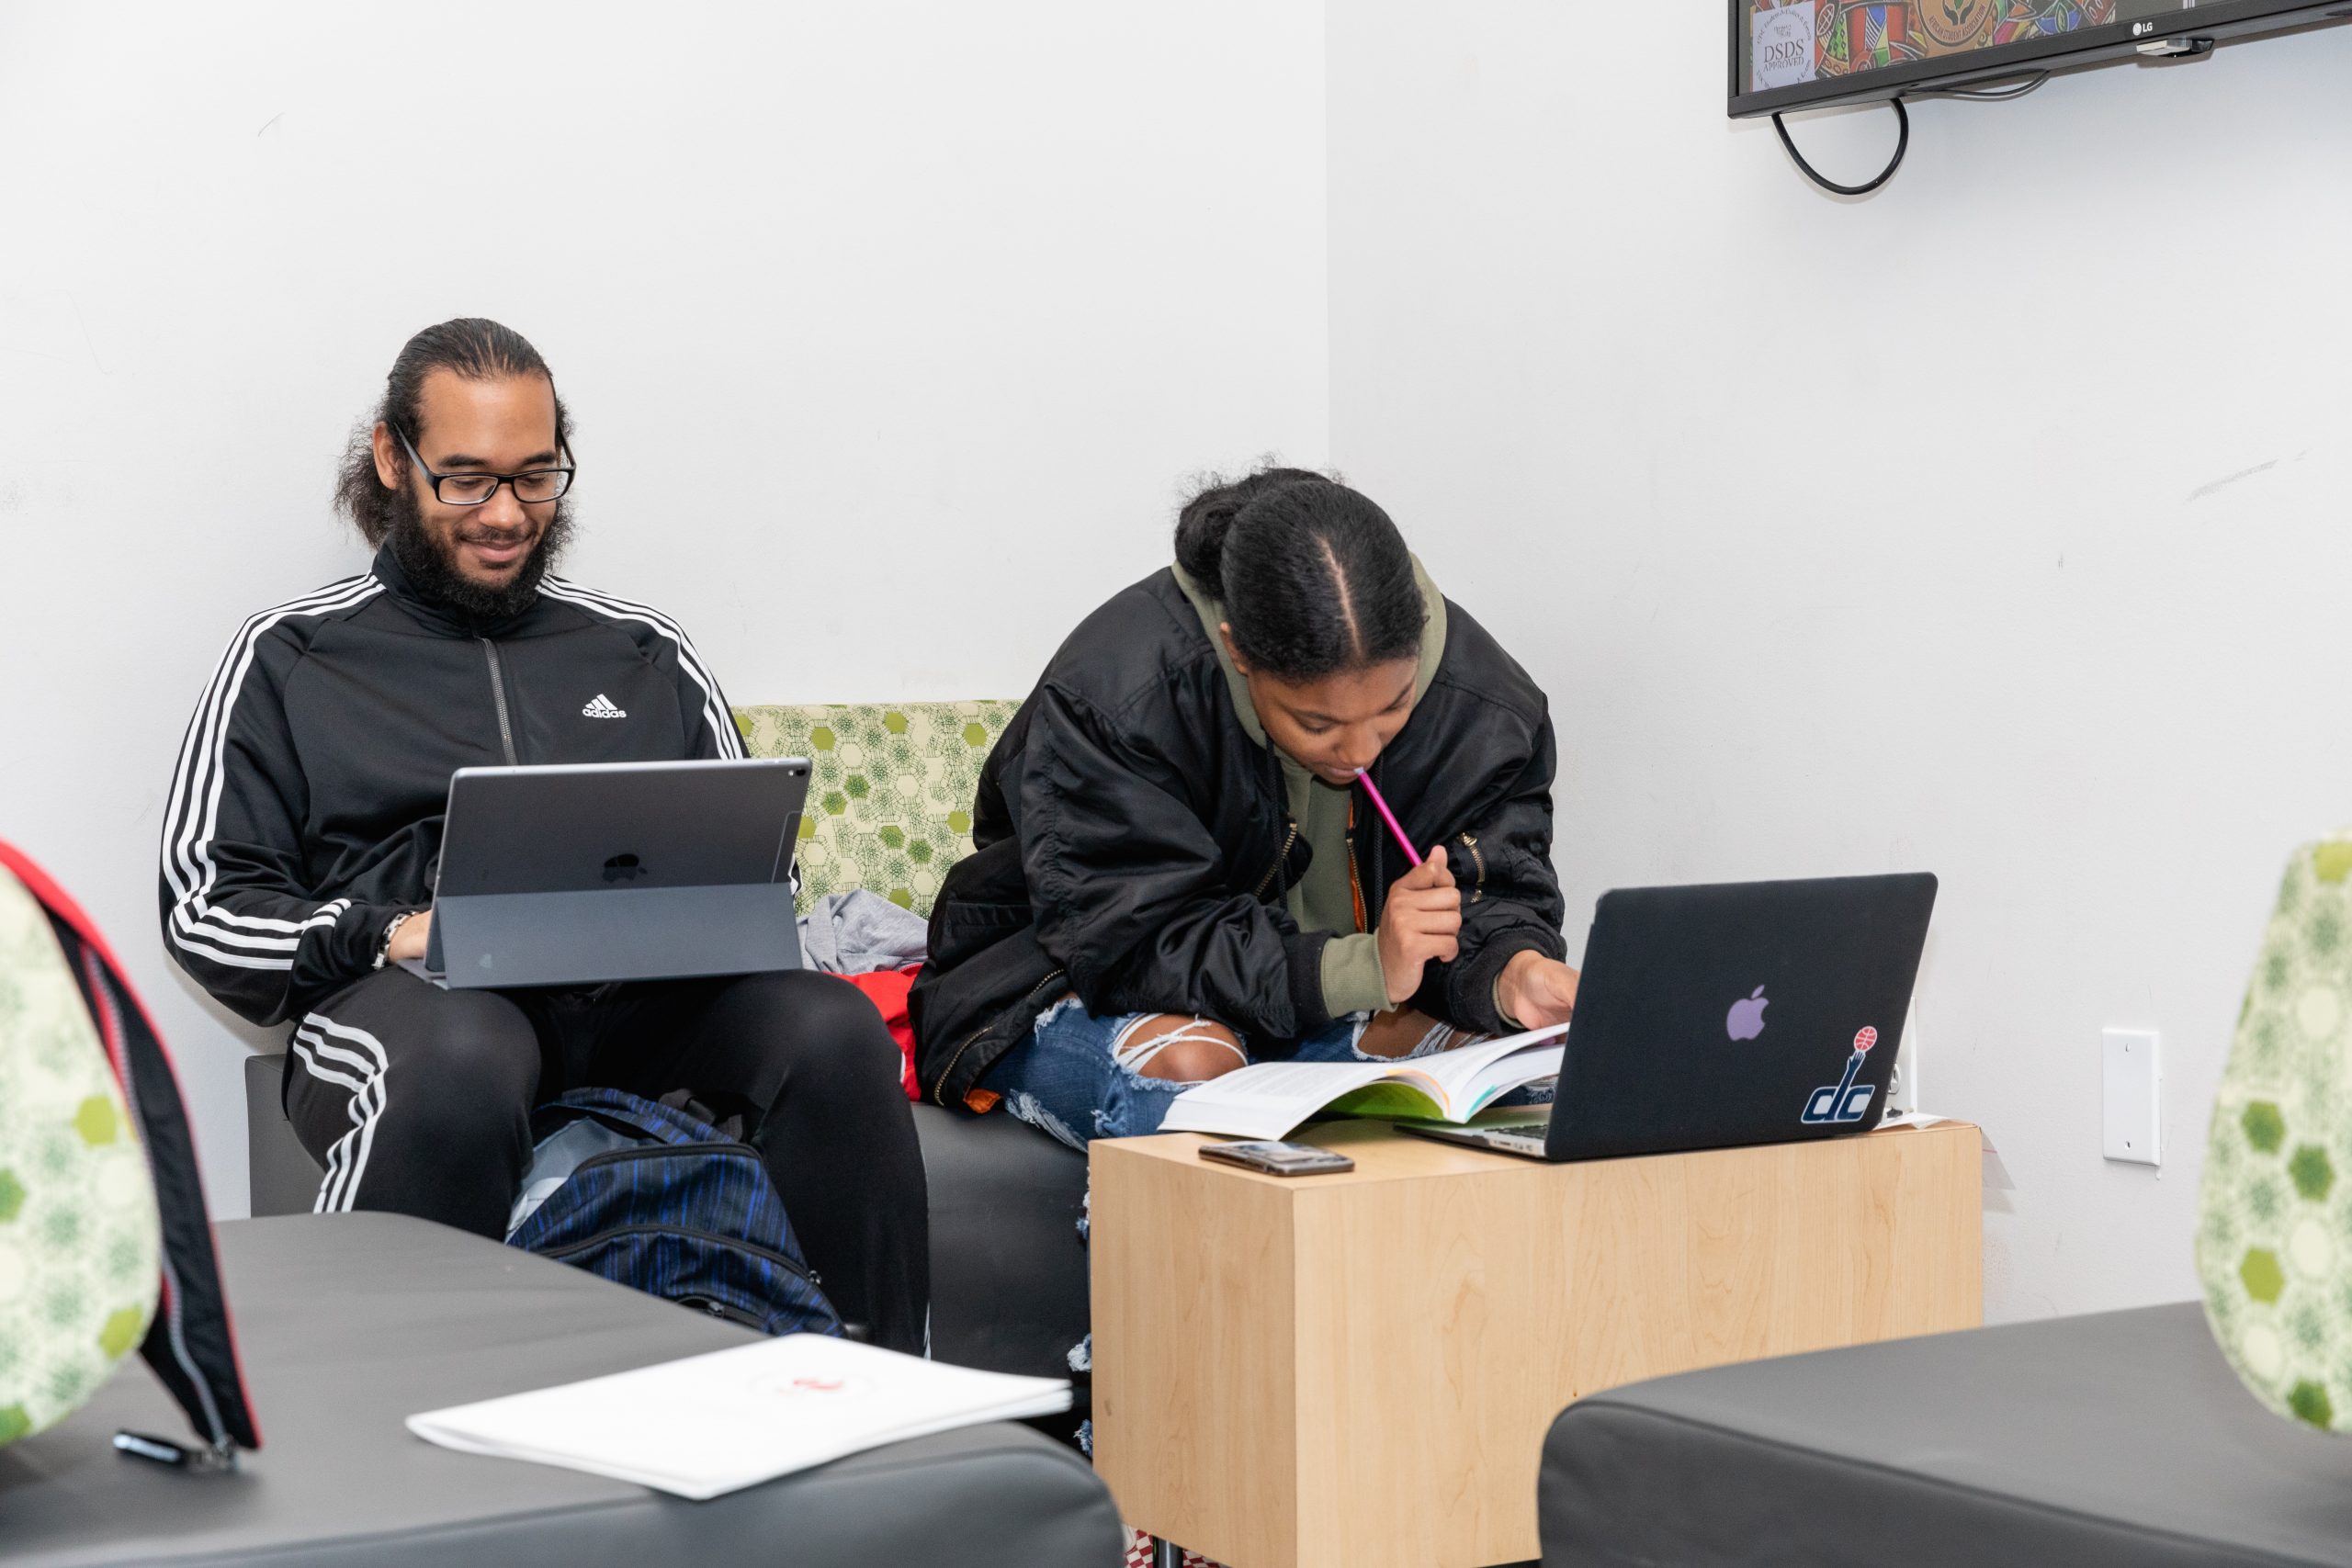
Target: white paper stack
{"type": "Point", "coordinates": [715, 1423]}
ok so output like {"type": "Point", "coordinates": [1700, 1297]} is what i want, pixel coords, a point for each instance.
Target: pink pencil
{"type": "Point", "coordinates": [1387, 816]}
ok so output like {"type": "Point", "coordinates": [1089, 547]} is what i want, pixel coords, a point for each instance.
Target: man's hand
{"type": "Point", "coordinates": [410, 940]}
{"type": "Point", "coordinates": [1536, 991]}
{"type": "Point", "coordinates": [1418, 925]}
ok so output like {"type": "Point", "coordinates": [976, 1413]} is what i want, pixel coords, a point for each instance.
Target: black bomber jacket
{"type": "Point", "coordinates": [306, 808]}
{"type": "Point", "coordinates": [1133, 844]}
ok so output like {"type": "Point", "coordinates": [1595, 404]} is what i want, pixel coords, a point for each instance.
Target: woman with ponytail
{"type": "Point", "coordinates": [1176, 869]}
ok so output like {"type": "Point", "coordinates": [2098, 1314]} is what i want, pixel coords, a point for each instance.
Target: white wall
{"type": "Point", "coordinates": [1995, 526]}
{"type": "Point", "coordinates": [1935, 530]}
{"type": "Point", "coordinates": [891, 330]}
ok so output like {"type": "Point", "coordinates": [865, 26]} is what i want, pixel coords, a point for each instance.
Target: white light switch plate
{"type": "Point", "coordinates": [2131, 1083]}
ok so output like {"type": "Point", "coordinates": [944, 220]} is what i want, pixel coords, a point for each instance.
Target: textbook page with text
{"type": "Point", "coordinates": [713, 1423]}
{"type": "Point", "coordinates": [1269, 1100]}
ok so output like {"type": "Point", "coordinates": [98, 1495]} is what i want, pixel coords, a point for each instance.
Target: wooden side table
{"type": "Point", "coordinates": [1353, 1371]}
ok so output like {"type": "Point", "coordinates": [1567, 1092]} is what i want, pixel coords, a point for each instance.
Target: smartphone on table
{"type": "Point", "coordinates": [1279, 1159]}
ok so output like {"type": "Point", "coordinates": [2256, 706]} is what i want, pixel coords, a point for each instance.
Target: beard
{"type": "Point", "coordinates": [431, 563]}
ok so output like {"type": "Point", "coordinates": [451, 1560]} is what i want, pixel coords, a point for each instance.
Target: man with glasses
{"type": "Point", "coordinates": [304, 831]}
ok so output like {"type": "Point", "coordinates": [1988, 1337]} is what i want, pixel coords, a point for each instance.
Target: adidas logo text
{"type": "Point", "coordinates": [601, 706]}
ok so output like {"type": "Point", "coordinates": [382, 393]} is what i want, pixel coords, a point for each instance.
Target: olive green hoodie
{"type": "Point", "coordinates": [1323, 899]}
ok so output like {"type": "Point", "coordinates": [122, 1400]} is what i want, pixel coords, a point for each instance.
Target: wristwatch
{"type": "Point", "coordinates": [391, 928]}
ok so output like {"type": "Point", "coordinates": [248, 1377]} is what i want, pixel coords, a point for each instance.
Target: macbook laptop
{"type": "Point", "coordinates": [576, 874]}
{"type": "Point", "coordinates": [1750, 1012]}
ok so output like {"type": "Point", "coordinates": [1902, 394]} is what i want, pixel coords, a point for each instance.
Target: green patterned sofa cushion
{"type": "Point", "coordinates": [890, 793]}
{"type": "Point", "coordinates": [2274, 1225]}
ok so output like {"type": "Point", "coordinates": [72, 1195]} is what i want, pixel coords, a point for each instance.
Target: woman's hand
{"type": "Point", "coordinates": [408, 942]}
{"type": "Point", "coordinates": [1420, 924]}
{"type": "Point", "coordinates": [1536, 991]}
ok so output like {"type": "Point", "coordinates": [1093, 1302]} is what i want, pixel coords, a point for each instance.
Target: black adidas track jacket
{"type": "Point", "coordinates": [306, 808]}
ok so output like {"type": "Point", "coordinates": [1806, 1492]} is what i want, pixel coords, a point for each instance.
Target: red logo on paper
{"type": "Point", "coordinates": [1866, 1039]}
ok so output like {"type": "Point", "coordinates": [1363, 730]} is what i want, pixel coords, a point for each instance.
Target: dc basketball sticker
{"type": "Point", "coordinates": [1845, 1100]}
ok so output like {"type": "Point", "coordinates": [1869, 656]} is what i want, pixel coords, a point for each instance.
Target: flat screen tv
{"type": "Point", "coordinates": [1793, 55]}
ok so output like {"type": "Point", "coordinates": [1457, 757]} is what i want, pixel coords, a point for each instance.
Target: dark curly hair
{"type": "Point", "coordinates": [475, 348]}
{"type": "Point", "coordinates": [1315, 579]}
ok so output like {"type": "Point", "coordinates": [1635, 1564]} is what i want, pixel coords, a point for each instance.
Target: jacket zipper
{"type": "Point", "coordinates": [939, 1090]}
{"type": "Point", "coordinates": [498, 691]}
{"type": "Point", "coordinates": [1355, 878]}
{"type": "Point", "coordinates": [721, 1311]}
{"type": "Point", "coordinates": [799, 1270]}
{"type": "Point", "coordinates": [1280, 856]}
{"type": "Point", "coordinates": [1478, 860]}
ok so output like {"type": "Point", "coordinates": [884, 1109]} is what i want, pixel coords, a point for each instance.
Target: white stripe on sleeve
{"type": "Point", "coordinates": [192, 809]}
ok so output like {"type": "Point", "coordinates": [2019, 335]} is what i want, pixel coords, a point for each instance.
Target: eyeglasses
{"type": "Point", "coordinates": [472, 490]}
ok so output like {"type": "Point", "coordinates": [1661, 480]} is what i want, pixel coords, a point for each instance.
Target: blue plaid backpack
{"type": "Point", "coordinates": [649, 1194]}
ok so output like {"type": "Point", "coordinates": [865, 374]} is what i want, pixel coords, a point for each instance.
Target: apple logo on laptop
{"type": "Point", "coordinates": [623, 868]}
{"type": "Point", "coordinates": [1746, 1020]}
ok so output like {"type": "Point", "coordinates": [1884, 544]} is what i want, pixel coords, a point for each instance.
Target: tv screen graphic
{"type": "Point", "coordinates": [1807, 53]}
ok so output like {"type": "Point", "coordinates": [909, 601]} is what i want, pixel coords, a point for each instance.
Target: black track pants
{"type": "Point", "coordinates": [418, 1101]}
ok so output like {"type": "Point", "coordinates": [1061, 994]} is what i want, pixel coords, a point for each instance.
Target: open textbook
{"type": "Point", "coordinates": [1268, 1100]}
{"type": "Point", "coordinates": [715, 1423]}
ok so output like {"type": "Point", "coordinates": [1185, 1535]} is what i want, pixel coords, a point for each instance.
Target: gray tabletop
{"type": "Point", "coordinates": [349, 1323]}
{"type": "Point", "coordinates": [2110, 1439]}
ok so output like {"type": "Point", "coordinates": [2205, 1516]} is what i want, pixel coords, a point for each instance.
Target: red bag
{"type": "Point", "coordinates": [887, 990]}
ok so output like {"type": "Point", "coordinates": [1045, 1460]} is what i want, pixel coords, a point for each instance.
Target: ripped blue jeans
{"type": "Point", "coordinates": [1066, 1080]}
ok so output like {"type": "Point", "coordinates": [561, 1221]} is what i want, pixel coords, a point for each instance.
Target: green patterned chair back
{"type": "Point", "coordinates": [2274, 1226]}
{"type": "Point", "coordinates": [890, 793]}
{"type": "Point", "coordinates": [80, 1240]}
